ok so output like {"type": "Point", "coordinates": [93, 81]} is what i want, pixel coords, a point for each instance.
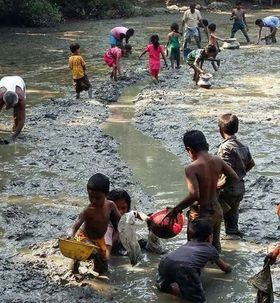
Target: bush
{"type": "Point", "coordinates": [40, 13]}
{"type": "Point", "coordinates": [94, 9]}
{"type": "Point", "coordinates": [29, 13]}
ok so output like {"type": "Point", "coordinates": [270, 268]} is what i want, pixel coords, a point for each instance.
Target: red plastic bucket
{"type": "Point", "coordinates": [162, 228]}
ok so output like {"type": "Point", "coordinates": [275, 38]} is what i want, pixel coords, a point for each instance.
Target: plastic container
{"type": "Point", "coordinates": [76, 250]}
{"type": "Point", "coordinates": [162, 228]}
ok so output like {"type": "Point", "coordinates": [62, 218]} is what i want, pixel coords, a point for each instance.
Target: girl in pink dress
{"type": "Point", "coordinates": [112, 58]}
{"type": "Point", "coordinates": [155, 50]}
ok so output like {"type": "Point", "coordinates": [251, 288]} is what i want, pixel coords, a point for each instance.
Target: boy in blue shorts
{"type": "Point", "coordinates": [183, 266]}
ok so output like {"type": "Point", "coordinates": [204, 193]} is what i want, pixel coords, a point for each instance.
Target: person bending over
{"type": "Point", "coordinates": [182, 267]}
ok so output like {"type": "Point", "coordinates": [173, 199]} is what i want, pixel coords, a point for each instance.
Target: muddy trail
{"type": "Point", "coordinates": [44, 174]}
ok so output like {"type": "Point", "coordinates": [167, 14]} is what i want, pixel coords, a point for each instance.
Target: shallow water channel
{"type": "Point", "coordinates": [40, 56]}
{"type": "Point", "coordinates": [161, 175]}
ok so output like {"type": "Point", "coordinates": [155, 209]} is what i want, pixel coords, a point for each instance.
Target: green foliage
{"type": "Point", "coordinates": [96, 9]}
{"type": "Point", "coordinates": [49, 12]}
{"type": "Point", "coordinates": [29, 12]}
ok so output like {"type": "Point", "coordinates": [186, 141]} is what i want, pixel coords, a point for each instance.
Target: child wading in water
{"type": "Point", "coordinates": [182, 267]}
{"type": "Point", "coordinates": [173, 45]}
{"type": "Point", "coordinates": [123, 202]}
{"type": "Point", "coordinates": [239, 158]}
{"type": "Point", "coordinates": [112, 58]}
{"type": "Point", "coordinates": [196, 57]}
{"type": "Point", "coordinates": [94, 220]}
{"type": "Point", "coordinates": [78, 67]}
{"type": "Point", "coordinates": [213, 40]}
{"type": "Point", "coordinates": [155, 49]}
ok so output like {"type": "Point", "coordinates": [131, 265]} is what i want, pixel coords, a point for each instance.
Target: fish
{"type": "Point", "coordinates": [128, 237]}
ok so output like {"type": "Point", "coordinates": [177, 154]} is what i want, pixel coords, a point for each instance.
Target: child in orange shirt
{"type": "Point", "coordinates": [78, 67]}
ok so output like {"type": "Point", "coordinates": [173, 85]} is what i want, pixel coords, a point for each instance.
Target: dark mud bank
{"type": "Point", "coordinates": [64, 147]}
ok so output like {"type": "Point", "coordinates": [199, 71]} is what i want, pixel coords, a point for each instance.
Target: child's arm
{"type": "Point", "coordinates": [144, 52]}
{"type": "Point", "coordinates": [229, 172]}
{"type": "Point", "coordinates": [260, 33]}
{"type": "Point", "coordinates": [83, 63]}
{"type": "Point", "coordinates": [232, 15]}
{"type": "Point", "coordinates": [197, 65]}
{"type": "Point", "coordinates": [250, 164]}
{"type": "Point", "coordinates": [216, 37]}
{"type": "Point", "coordinates": [77, 224]}
{"type": "Point", "coordinates": [115, 215]}
{"type": "Point", "coordinates": [244, 19]}
{"type": "Point", "coordinates": [225, 267]}
{"type": "Point", "coordinates": [163, 57]}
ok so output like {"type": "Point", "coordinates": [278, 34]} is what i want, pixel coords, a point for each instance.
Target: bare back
{"type": "Point", "coordinates": [202, 177]}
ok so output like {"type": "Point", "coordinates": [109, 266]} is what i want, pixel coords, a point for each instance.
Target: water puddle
{"type": "Point", "coordinates": [161, 174]}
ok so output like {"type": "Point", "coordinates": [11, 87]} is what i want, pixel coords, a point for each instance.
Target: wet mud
{"type": "Point", "coordinates": [45, 172]}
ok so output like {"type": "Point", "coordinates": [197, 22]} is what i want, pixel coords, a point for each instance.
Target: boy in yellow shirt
{"type": "Point", "coordinates": [78, 67]}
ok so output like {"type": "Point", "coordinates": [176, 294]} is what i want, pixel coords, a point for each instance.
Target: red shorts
{"type": "Point", "coordinates": [109, 61]}
{"type": "Point", "coordinates": [154, 72]}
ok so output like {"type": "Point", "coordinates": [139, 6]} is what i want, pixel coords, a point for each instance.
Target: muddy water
{"type": "Point", "coordinates": [161, 175]}
{"type": "Point", "coordinates": [40, 57]}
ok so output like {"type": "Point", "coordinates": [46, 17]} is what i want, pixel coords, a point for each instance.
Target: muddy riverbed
{"type": "Point", "coordinates": [65, 141]}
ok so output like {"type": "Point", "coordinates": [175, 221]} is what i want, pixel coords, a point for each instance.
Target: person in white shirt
{"type": "Point", "coordinates": [13, 95]}
{"type": "Point", "coordinates": [190, 22]}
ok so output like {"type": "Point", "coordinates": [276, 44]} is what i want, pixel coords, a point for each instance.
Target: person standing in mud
{"type": "Point", "coordinates": [13, 95]}
{"type": "Point", "coordinates": [238, 15]}
{"type": "Point", "coordinates": [118, 34]}
{"type": "Point", "coordinates": [78, 67]}
{"type": "Point", "coordinates": [202, 177]}
{"type": "Point", "coordinates": [94, 220]}
{"type": "Point", "coordinates": [273, 23]}
{"type": "Point", "coordinates": [239, 158]}
{"type": "Point", "coordinates": [190, 22]}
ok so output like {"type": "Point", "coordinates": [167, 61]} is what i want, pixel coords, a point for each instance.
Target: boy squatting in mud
{"type": "Point", "coordinates": [202, 177]}
{"type": "Point", "coordinates": [95, 219]}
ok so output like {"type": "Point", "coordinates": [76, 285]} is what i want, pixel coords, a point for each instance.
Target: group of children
{"type": "Point", "coordinates": [215, 189]}
{"type": "Point", "coordinates": [192, 20]}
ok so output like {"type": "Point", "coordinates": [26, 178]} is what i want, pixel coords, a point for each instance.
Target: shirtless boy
{"type": "Point", "coordinates": [238, 15]}
{"type": "Point", "coordinates": [95, 219]}
{"type": "Point", "coordinates": [201, 178]}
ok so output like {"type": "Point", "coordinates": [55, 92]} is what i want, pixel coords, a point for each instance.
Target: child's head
{"type": "Point", "coordinates": [210, 50]}
{"type": "Point", "coordinates": [174, 27]}
{"type": "Point", "coordinates": [129, 33]}
{"type": "Point", "coordinates": [98, 188]}
{"type": "Point", "coordinates": [238, 4]}
{"type": "Point", "coordinates": [200, 230]}
{"type": "Point", "coordinates": [228, 124]}
{"type": "Point", "coordinates": [75, 48]}
{"type": "Point", "coordinates": [122, 199]}
{"type": "Point", "coordinates": [259, 22]}
{"type": "Point", "coordinates": [155, 40]}
{"type": "Point", "coordinates": [127, 49]}
{"type": "Point", "coordinates": [195, 142]}
{"type": "Point", "coordinates": [212, 27]}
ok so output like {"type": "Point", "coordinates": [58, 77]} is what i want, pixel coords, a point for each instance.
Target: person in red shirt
{"type": "Point", "coordinates": [112, 58]}
{"type": "Point", "coordinates": [154, 49]}
{"type": "Point", "coordinates": [272, 256]}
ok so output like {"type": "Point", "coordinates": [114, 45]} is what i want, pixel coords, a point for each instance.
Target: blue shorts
{"type": "Point", "coordinates": [191, 32]}
{"type": "Point", "coordinates": [114, 41]}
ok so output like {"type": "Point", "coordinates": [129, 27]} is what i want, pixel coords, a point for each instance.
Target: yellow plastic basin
{"type": "Point", "coordinates": [76, 250]}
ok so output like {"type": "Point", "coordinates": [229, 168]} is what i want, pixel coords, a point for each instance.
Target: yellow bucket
{"type": "Point", "coordinates": [76, 250]}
